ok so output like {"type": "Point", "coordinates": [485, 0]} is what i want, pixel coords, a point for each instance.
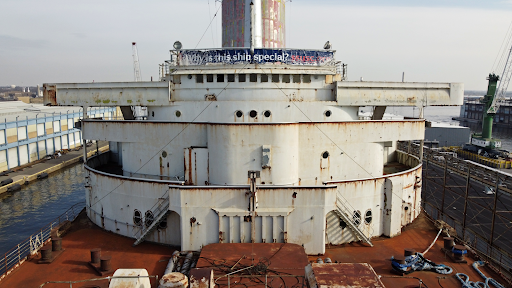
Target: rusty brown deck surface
{"type": "Point", "coordinates": [72, 265]}
{"type": "Point", "coordinates": [418, 235]}
{"type": "Point", "coordinates": [285, 258]}
{"type": "Point", "coordinates": [276, 264]}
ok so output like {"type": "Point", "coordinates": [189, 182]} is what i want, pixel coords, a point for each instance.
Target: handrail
{"type": "Point", "coordinates": [19, 253]}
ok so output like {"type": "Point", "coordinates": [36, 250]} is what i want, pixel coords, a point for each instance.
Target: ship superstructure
{"type": "Point", "coordinates": [253, 144]}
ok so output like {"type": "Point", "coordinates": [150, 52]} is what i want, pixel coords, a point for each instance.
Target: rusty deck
{"type": "Point", "coordinates": [418, 235]}
{"type": "Point", "coordinates": [284, 260]}
{"type": "Point", "coordinates": [72, 264]}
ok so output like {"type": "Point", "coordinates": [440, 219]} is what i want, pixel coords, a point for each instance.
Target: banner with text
{"type": "Point", "coordinates": [261, 56]}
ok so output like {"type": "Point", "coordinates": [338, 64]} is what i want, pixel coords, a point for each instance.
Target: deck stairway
{"type": "Point", "coordinates": [344, 211]}
{"type": "Point", "coordinates": [160, 211]}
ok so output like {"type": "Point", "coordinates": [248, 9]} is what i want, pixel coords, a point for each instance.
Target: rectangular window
{"type": "Point", "coordinates": [231, 77]}
{"type": "Point", "coordinates": [199, 78]}
{"type": "Point", "coordinates": [264, 78]}
{"type": "Point", "coordinates": [306, 78]}
{"type": "Point", "coordinates": [286, 78]}
{"type": "Point", "coordinates": [275, 78]}
{"type": "Point", "coordinates": [253, 77]}
{"type": "Point", "coordinates": [296, 78]}
{"type": "Point", "coordinates": [241, 78]}
{"type": "Point", "coordinates": [220, 77]}
{"type": "Point", "coordinates": [209, 78]}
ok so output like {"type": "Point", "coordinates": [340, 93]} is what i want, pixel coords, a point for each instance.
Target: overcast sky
{"type": "Point", "coordinates": [84, 41]}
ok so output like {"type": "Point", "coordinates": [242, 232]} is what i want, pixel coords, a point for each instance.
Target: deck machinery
{"type": "Point", "coordinates": [253, 144]}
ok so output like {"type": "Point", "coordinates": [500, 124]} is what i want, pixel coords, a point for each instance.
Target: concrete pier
{"type": "Point", "coordinates": [28, 173]}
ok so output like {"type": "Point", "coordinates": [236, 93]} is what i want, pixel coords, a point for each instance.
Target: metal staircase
{"type": "Point", "coordinates": [160, 211]}
{"type": "Point", "coordinates": [344, 211]}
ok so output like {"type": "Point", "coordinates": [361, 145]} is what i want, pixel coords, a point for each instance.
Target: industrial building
{"type": "Point", "coordinates": [30, 132]}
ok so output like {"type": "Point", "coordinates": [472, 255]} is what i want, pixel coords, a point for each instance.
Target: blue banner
{"type": "Point", "coordinates": [261, 56]}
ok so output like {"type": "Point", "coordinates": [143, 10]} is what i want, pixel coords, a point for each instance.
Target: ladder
{"type": "Point", "coordinates": [160, 212]}
{"type": "Point", "coordinates": [344, 213]}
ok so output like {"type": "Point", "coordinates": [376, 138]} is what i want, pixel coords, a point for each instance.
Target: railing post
{"type": "Point", "coordinates": [466, 203]}
{"type": "Point", "coordinates": [444, 183]}
{"type": "Point", "coordinates": [19, 256]}
{"type": "Point", "coordinates": [494, 208]}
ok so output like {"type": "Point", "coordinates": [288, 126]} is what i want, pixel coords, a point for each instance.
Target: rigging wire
{"type": "Point", "coordinates": [215, 15]}
{"type": "Point", "coordinates": [494, 67]}
{"type": "Point", "coordinates": [179, 133]}
{"type": "Point", "coordinates": [210, 16]}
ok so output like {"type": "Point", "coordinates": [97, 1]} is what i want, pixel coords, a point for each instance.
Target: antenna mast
{"type": "Point", "coordinates": [136, 66]}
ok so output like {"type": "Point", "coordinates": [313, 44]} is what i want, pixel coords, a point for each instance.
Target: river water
{"type": "Point", "coordinates": [25, 212]}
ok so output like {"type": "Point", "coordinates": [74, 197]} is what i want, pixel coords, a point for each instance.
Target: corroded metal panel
{"type": "Point", "coordinates": [108, 94]}
{"type": "Point", "coordinates": [399, 94]}
{"type": "Point", "coordinates": [345, 275]}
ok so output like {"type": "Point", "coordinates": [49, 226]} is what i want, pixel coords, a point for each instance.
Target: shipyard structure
{"type": "Point", "coordinates": [253, 144]}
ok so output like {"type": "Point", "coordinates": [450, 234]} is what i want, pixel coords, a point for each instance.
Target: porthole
{"type": "Point", "coordinates": [178, 113]}
{"type": "Point", "coordinates": [325, 155]}
{"type": "Point", "coordinates": [253, 113]}
{"type": "Point", "coordinates": [149, 218]}
{"type": "Point", "coordinates": [239, 113]}
{"type": "Point", "coordinates": [406, 208]}
{"type": "Point", "coordinates": [368, 217]}
{"type": "Point", "coordinates": [267, 113]}
{"type": "Point", "coordinates": [356, 218]}
{"type": "Point", "coordinates": [189, 76]}
{"type": "Point", "coordinates": [164, 154]}
{"type": "Point", "coordinates": [328, 113]}
{"type": "Point", "coordinates": [137, 218]}
{"type": "Point", "coordinates": [343, 224]}
{"type": "Point", "coordinates": [162, 224]}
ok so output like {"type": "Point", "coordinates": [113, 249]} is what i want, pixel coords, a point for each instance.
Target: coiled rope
{"type": "Point", "coordinates": [419, 263]}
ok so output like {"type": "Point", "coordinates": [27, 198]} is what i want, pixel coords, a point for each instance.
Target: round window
{"type": "Point", "coordinates": [325, 155]}
{"type": "Point", "coordinates": [137, 218]}
{"type": "Point", "coordinates": [253, 113]}
{"type": "Point", "coordinates": [164, 154]}
{"type": "Point", "coordinates": [368, 217]}
{"type": "Point", "coordinates": [162, 224]}
{"type": "Point", "coordinates": [267, 113]}
{"type": "Point", "coordinates": [149, 218]}
{"type": "Point", "coordinates": [356, 218]}
{"type": "Point", "coordinates": [343, 225]}
{"type": "Point", "coordinates": [328, 113]}
{"type": "Point", "coordinates": [178, 113]}
{"type": "Point", "coordinates": [239, 113]}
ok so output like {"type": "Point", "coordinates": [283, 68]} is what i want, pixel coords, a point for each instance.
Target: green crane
{"type": "Point", "coordinates": [492, 101]}
{"type": "Point", "coordinates": [485, 139]}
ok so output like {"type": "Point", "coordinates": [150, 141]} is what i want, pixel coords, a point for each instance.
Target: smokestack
{"type": "Point", "coordinates": [269, 23]}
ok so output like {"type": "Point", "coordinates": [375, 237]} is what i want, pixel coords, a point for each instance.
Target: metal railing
{"type": "Point", "coordinates": [100, 279]}
{"type": "Point", "coordinates": [30, 246]}
{"type": "Point", "coordinates": [150, 220]}
{"type": "Point", "coordinates": [475, 200]}
{"type": "Point", "coordinates": [345, 211]}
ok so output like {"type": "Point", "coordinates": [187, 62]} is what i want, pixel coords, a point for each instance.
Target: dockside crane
{"type": "Point", "coordinates": [136, 66]}
{"type": "Point", "coordinates": [494, 98]}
